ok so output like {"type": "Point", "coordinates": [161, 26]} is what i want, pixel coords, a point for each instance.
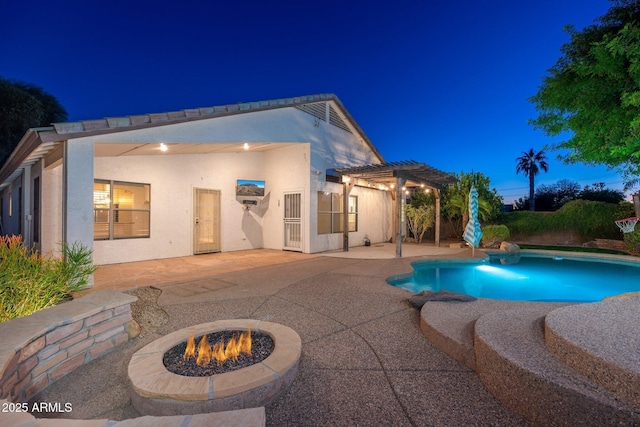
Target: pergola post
{"type": "Point", "coordinates": [398, 215]}
{"type": "Point", "coordinates": [346, 190]}
{"type": "Point", "coordinates": [436, 193]}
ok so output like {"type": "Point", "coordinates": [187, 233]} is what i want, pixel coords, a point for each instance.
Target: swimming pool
{"type": "Point", "coordinates": [525, 277]}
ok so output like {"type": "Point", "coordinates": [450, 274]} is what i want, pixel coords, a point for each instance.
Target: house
{"type": "Point", "coordinates": [292, 174]}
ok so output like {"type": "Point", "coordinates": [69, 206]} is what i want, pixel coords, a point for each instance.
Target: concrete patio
{"type": "Point", "coordinates": [364, 358]}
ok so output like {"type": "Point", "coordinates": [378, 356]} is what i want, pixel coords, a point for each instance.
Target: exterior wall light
{"type": "Point", "coordinates": [163, 147]}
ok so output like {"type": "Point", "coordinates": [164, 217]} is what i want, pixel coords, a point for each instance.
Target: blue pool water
{"type": "Point", "coordinates": [525, 278]}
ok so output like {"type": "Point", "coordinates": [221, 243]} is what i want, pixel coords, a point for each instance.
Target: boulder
{"type": "Point", "coordinates": [132, 329]}
{"type": "Point", "coordinates": [418, 300]}
{"type": "Point", "coordinates": [510, 248]}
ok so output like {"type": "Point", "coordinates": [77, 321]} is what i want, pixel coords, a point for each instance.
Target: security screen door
{"type": "Point", "coordinates": [206, 221]}
{"type": "Point", "coordinates": [292, 221]}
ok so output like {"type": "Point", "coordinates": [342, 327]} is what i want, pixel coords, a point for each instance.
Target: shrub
{"type": "Point", "coordinates": [632, 241]}
{"type": "Point", "coordinates": [588, 218]}
{"type": "Point", "coordinates": [494, 234]}
{"type": "Point", "coordinates": [30, 282]}
{"type": "Point", "coordinates": [420, 219]}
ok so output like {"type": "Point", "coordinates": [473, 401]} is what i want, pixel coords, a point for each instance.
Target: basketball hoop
{"type": "Point", "coordinates": [627, 225]}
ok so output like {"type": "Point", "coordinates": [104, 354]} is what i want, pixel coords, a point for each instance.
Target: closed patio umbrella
{"type": "Point", "coordinates": [473, 232]}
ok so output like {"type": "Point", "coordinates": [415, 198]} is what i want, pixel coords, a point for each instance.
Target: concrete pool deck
{"type": "Point", "coordinates": [364, 358]}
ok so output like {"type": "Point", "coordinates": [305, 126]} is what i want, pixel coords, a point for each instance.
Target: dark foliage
{"type": "Point", "coordinates": [24, 106]}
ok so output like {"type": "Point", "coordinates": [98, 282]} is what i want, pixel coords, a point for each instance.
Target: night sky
{"type": "Point", "coordinates": [441, 82]}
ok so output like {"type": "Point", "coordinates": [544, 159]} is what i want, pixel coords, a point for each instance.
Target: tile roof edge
{"type": "Point", "coordinates": [144, 120]}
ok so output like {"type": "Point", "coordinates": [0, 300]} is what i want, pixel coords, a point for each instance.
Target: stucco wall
{"type": "Point", "coordinates": [338, 148]}
{"type": "Point", "coordinates": [51, 207]}
{"type": "Point", "coordinates": [286, 170]}
{"type": "Point", "coordinates": [173, 179]}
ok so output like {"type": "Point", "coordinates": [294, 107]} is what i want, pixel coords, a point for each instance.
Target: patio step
{"type": "Point", "coordinates": [450, 325]}
{"type": "Point", "coordinates": [514, 363]}
{"type": "Point", "coordinates": [601, 341]}
{"type": "Point", "coordinates": [504, 342]}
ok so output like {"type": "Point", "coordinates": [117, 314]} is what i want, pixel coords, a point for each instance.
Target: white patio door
{"type": "Point", "coordinates": [293, 221]}
{"type": "Point", "coordinates": [206, 220]}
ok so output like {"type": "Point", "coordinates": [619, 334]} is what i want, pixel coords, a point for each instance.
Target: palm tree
{"type": "Point", "coordinates": [530, 164]}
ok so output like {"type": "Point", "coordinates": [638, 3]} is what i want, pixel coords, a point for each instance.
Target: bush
{"type": "Point", "coordinates": [30, 282]}
{"type": "Point", "coordinates": [588, 218]}
{"type": "Point", "coordinates": [420, 219]}
{"type": "Point", "coordinates": [632, 241]}
{"type": "Point", "coordinates": [494, 234]}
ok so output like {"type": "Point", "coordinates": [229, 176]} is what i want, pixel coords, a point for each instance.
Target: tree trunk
{"type": "Point", "coordinates": [532, 200]}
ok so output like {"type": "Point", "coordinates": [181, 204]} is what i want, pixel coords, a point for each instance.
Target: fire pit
{"type": "Point", "coordinates": [218, 353]}
{"type": "Point", "coordinates": [200, 388]}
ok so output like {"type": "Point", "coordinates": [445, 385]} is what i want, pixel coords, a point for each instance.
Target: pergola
{"type": "Point", "coordinates": [393, 177]}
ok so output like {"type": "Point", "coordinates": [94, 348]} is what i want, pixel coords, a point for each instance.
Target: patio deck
{"type": "Point", "coordinates": [364, 358]}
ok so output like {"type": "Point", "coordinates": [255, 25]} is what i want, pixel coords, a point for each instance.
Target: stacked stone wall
{"type": "Point", "coordinates": [37, 350]}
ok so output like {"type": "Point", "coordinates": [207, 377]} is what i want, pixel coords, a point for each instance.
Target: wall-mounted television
{"type": "Point", "coordinates": [250, 187]}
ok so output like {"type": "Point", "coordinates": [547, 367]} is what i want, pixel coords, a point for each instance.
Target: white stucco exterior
{"type": "Point", "coordinates": [288, 148]}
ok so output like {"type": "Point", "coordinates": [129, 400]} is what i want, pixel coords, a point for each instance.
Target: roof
{"type": "Point", "coordinates": [38, 142]}
{"type": "Point", "coordinates": [386, 173]}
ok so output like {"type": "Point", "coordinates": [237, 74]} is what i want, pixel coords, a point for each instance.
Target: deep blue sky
{"type": "Point", "coordinates": [442, 82]}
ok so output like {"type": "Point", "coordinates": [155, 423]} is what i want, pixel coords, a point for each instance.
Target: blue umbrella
{"type": "Point", "coordinates": [473, 232]}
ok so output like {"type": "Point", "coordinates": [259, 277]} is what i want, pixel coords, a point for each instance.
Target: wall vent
{"type": "Point", "coordinates": [336, 120]}
{"type": "Point", "coordinates": [317, 109]}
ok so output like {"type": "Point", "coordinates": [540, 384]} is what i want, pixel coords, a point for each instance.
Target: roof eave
{"type": "Point", "coordinates": [29, 142]}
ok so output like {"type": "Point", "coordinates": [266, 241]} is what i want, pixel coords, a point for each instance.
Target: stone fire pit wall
{"type": "Point", "coordinates": [39, 349]}
{"type": "Point", "coordinates": [156, 391]}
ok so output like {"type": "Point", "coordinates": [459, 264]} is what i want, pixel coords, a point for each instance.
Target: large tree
{"type": "Point", "coordinates": [24, 106]}
{"type": "Point", "coordinates": [593, 93]}
{"type": "Point", "coordinates": [530, 164]}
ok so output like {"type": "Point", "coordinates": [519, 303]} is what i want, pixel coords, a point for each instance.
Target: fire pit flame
{"type": "Point", "coordinates": [205, 354]}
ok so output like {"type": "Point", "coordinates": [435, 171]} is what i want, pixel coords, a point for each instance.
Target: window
{"type": "Point", "coordinates": [121, 210]}
{"type": "Point", "coordinates": [353, 213]}
{"type": "Point", "coordinates": [330, 213]}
